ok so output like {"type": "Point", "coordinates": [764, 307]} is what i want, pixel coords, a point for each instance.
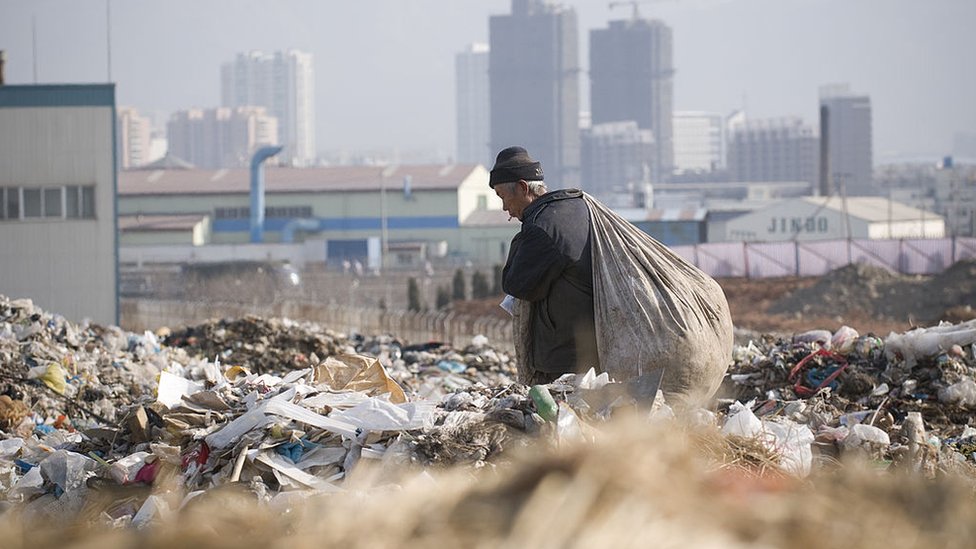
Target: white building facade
{"type": "Point", "coordinates": [57, 199]}
{"type": "Point", "coordinates": [831, 218]}
{"type": "Point", "coordinates": [134, 142]}
{"type": "Point", "coordinates": [699, 142]}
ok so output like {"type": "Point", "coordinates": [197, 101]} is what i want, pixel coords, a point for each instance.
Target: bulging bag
{"type": "Point", "coordinates": [653, 309]}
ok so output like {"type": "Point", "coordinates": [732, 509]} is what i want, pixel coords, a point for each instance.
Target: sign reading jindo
{"type": "Point", "coordinates": [794, 225]}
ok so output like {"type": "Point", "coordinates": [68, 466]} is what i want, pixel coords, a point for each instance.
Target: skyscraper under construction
{"type": "Point", "coordinates": [631, 78]}
{"type": "Point", "coordinates": [534, 79]}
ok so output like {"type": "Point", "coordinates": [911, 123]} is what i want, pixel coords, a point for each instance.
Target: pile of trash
{"type": "Point", "coordinates": [85, 406]}
{"type": "Point", "coordinates": [905, 400]}
{"type": "Point", "coordinates": [124, 428]}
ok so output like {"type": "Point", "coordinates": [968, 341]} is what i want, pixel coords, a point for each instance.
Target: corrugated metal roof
{"type": "Point", "coordinates": [293, 180]}
{"type": "Point", "coordinates": [872, 208]}
{"type": "Point", "coordinates": [664, 214]}
{"type": "Point", "coordinates": [677, 214]}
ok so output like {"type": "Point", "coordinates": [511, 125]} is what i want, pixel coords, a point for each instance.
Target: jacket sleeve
{"type": "Point", "coordinates": [533, 265]}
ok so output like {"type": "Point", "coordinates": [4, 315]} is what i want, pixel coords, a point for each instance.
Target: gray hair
{"type": "Point", "coordinates": [536, 188]}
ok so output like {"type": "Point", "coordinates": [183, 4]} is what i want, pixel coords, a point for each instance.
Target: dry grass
{"type": "Point", "coordinates": [636, 485]}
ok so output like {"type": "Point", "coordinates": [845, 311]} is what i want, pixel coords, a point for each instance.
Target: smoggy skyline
{"type": "Point", "coordinates": [385, 68]}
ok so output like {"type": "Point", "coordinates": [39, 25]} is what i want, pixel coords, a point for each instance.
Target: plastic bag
{"type": "Point", "coordinates": [867, 438]}
{"type": "Point", "coordinates": [790, 440]}
{"type": "Point", "coordinates": [962, 393]}
{"type": "Point", "coordinates": [843, 340]}
{"type": "Point", "coordinates": [922, 343]}
{"type": "Point", "coordinates": [741, 422]}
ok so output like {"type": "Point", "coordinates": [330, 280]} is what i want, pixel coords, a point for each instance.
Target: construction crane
{"type": "Point", "coordinates": [634, 4]}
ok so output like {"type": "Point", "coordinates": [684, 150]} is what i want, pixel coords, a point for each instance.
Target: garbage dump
{"type": "Point", "coordinates": [124, 429]}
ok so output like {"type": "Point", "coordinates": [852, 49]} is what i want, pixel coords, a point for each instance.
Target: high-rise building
{"type": "Point", "coordinates": [631, 78]}
{"type": "Point", "coordinates": [133, 138]}
{"type": "Point", "coordinates": [533, 71]}
{"type": "Point", "coordinates": [845, 124]}
{"type": "Point", "coordinates": [617, 161]}
{"type": "Point", "coordinates": [699, 142]}
{"type": "Point", "coordinates": [955, 197]}
{"type": "Point", "coordinates": [220, 138]}
{"type": "Point", "coordinates": [473, 108]}
{"type": "Point", "coordinates": [779, 149]}
{"type": "Point", "coordinates": [284, 84]}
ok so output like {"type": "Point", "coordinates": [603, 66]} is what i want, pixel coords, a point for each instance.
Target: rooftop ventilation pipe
{"type": "Point", "coordinates": [257, 191]}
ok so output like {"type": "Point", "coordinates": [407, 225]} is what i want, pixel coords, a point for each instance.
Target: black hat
{"type": "Point", "coordinates": [514, 164]}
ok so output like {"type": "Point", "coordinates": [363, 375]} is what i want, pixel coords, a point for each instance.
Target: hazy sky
{"type": "Point", "coordinates": [385, 68]}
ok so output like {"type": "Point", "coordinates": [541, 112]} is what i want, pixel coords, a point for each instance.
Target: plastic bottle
{"type": "Point", "coordinates": [544, 403]}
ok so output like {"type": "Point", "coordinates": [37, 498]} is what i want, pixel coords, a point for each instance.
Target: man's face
{"type": "Point", "coordinates": [515, 197]}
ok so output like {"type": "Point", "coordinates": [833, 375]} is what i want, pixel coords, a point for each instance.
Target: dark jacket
{"type": "Point", "coordinates": [549, 265]}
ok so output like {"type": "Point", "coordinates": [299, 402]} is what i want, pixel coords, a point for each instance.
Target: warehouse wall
{"type": "Point", "coordinates": [52, 137]}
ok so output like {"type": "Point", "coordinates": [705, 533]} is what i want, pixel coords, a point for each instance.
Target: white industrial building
{"type": "Point", "coordinates": [58, 242]}
{"type": "Point", "coordinates": [699, 141]}
{"type": "Point", "coordinates": [829, 218]}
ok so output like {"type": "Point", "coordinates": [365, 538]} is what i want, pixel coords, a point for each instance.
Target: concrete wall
{"type": "Point", "coordinates": [139, 315]}
{"type": "Point", "coordinates": [67, 266]}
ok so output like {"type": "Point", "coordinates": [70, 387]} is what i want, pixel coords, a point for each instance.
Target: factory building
{"type": "Point", "coordinates": [397, 214]}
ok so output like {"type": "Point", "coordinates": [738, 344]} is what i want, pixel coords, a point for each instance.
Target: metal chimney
{"type": "Point", "coordinates": [257, 191]}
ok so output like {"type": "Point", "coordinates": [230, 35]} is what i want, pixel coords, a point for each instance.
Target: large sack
{"type": "Point", "coordinates": [653, 310]}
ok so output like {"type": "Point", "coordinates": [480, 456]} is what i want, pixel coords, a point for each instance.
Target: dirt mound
{"type": "Point", "coordinates": [851, 288]}
{"type": "Point", "coordinates": [874, 291]}
{"type": "Point", "coordinates": [954, 290]}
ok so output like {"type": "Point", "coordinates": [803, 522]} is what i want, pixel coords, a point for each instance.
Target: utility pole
{"type": "Point", "coordinates": [34, 45]}
{"type": "Point", "coordinates": [108, 36]}
{"type": "Point", "coordinates": [384, 229]}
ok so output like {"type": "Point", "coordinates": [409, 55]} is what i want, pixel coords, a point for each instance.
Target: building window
{"type": "Point", "coordinates": [52, 202]}
{"type": "Point", "coordinates": [13, 203]}
{"type": "Point", "coordinates": [269, 212]}
{"type": "Point", "coordinates": [79, 202]}
{"type": "Point", "coordinates": [72, 202]}
{"type": "Point", "coordinates": [67, 202]}
{"type": "Point", "coordinates": [88, 202]}
{"type": "Point", "coordinates": [32, 203]}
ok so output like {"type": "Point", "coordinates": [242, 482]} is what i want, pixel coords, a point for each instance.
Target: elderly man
{"type": "Point", "coordinates": [549, 264]}
{"type": "Point", "coordinates": [596, 291]}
